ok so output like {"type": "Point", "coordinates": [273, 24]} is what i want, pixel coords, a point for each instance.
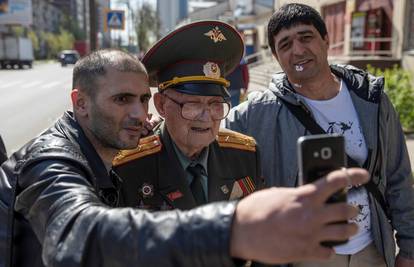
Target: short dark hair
{"type": "Point", "coordinates": [291, 15]}
{"type": "Point", "coordinates": [89, 68]}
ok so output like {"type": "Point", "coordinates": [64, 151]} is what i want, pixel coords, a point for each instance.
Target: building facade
{"type": "Point", "coordinates": [361, 32]}
{"type": "Point", "coordinates": [170, 13]}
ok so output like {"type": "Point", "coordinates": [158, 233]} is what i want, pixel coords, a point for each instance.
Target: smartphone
{"type": "Point", "coordinates": [317, 156]}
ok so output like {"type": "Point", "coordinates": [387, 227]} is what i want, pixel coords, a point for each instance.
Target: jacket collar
{"type": "Point", "coordinates": [364, 85]}
{"type": "Point", "coordinates": [76, 135]}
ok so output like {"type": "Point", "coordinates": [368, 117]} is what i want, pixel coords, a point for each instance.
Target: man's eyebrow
{"type": "Point", "coordinates": [124, 94]}
{"type": "Point", "coordinates": [299, 32]}
{"type": "Point", "coordinates": [282, 40]}
{"type": "Point", "coordinates": [305, 32]}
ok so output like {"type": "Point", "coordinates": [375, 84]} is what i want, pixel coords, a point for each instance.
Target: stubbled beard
{"type": "Point", "coordinates": [106, 130]}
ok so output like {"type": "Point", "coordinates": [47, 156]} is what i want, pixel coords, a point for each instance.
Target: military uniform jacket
{"type": "Point", "coordinates": [153, 177]}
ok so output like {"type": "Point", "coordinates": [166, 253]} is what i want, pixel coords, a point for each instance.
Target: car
{"type": "Point", "coordinates": [68, 57]}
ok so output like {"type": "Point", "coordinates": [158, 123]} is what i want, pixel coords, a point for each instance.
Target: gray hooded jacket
{"type": "Point", "coordinates": [276, 130]}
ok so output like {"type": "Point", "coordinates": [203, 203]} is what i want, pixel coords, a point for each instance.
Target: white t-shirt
{"type": "Point", "coordinates": [338, 115]}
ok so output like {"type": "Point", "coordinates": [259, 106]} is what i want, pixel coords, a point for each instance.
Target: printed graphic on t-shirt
{"type": "Point", "coordinates": [357, 197]}
{"type": "Point", "coordinates": [353, 135]}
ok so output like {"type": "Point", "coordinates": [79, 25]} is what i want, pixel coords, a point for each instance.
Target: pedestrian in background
{"type": "Point", "coordinates": [239, 82]}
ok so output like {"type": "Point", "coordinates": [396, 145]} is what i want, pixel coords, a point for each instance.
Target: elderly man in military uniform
{"type": "Point", "coordinates": [189, 160]}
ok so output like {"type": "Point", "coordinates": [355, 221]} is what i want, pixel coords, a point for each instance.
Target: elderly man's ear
{"type": "Point", "coordinates": [159, 103]}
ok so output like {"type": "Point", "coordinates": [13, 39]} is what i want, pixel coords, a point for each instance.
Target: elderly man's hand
{"type": "Point", "coordinates": [150, 123]}
{"type": "Point", "coordinates": [281, 225]}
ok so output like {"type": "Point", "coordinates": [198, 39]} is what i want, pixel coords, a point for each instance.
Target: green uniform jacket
{"type": "Point", "coordinates": [153, 178]}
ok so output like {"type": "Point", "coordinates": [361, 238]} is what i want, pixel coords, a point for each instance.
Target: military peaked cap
{"type": "Point", "coordinates": [195, 58]}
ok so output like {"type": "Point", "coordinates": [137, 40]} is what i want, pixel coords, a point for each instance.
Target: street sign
{"type": "Point", "coordinates": [114, 19]}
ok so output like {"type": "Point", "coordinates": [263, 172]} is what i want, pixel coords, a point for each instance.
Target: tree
{"type": "Point", "coordinates": [147, 26]}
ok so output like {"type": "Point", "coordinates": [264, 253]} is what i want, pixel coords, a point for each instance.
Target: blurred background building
{"type": "Point", "coordinates": [377, 32]}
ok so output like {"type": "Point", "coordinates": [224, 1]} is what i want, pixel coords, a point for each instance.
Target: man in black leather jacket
{"type": "Point", "coordinates": [58, 199]}
{"type": "Point", "coordinates": [3, 154]}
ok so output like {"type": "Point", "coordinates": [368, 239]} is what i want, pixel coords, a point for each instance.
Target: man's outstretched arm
{"type": "Point", "coordinates": [75, 228]}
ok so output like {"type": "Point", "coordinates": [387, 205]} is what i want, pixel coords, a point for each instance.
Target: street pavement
{"type": "Point", "coordinates": [31, 100]}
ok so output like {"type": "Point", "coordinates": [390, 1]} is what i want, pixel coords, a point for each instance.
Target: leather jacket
{"type": "Point", "coordinates": [58, 208]}
{"type": "Point", "coordinates": [3, 154]}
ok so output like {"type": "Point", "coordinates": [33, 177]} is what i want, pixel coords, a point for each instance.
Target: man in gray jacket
{"type": "Point", "coordinates": [343, 100]}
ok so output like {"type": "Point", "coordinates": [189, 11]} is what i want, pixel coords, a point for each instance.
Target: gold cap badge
{"type": "Point", "coordinates": [211, 70]}
{"type": "Point", "coordinates": [216, 35]}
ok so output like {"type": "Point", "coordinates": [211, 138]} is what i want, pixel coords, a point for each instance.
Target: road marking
{"type": "Point", "coordinates": [10, 84]}
{"type": "Point", "coordinates": [31, 84]}
{"type": "Point", "coordinates": [50, 85]}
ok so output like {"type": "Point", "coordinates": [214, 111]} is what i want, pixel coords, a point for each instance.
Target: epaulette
{"type": "Point", "coordinates": [232, 139]}
{"type": "Point", "coordinates": [147, 146]}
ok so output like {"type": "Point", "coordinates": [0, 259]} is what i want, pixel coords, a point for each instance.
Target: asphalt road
{"type": "Point", "coordinates": [30, 100]}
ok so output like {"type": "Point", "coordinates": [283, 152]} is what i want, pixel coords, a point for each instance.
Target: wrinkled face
{"type": "Point", "coordinates": [189, 135]}
{"type": "Point", "coordinates": [117, 112]}
{"type": "Point", "coordinates": [302, 52]}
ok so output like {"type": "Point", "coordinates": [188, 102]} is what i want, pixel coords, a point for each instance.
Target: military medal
{"type": "Point", "coordinates": [242, 188]}
{"type": "Point", "coordinates": [147, 190]}
{"type": "Point", "coordinates": [174, 195]}
{"type": "Point", "coordinates": [224, 189]}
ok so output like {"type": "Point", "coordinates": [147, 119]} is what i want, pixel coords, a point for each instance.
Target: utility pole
{"type": "Point", "coordinates": [92, 24]}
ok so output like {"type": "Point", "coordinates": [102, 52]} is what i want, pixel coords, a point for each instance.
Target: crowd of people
{"type": "Point", "coordinates": [107, 186]}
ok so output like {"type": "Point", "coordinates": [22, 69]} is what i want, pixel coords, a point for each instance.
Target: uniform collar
{"type": "Point", "coordinates": [202, 159]}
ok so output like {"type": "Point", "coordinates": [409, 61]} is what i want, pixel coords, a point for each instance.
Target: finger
{"type": "Point", "coordinates": [337, 212]}
{"type": "Point", "coordinates": [338, 231]}
{"type": "Point", "coordinates": [144, 132]}
{"type": "Point", "coordinates": [320, 253]}
{"type": "Point", "coordinates": [338, 180]}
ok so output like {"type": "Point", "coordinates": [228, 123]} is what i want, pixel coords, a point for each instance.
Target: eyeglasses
{"type": "Point", "coordinates": [193, 110]}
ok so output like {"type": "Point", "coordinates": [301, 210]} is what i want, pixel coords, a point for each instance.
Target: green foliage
{"type": "Point", "coordinates": [72, 26]}
{"type": "Point", "coordinates": [56, 42]}
{"type": "Point", "coordinates": [35, 40]}
{"type": "Point", "coordinates": [18, 31]}
{"type": "Point", "coordinates": [399, 88]}
{"type": "Point", "coordinates": [146, 24]}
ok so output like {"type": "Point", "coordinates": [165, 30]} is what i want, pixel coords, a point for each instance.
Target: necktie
{"type": "Point", "coordinates": [196, 185]}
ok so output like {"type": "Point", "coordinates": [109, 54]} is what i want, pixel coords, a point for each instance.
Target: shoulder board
{"type": "Point", "coordinates": [232, 139]}
{"type": "Point", "coordinates": [147, 146]}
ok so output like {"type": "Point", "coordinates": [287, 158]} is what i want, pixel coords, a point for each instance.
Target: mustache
{"type": "Point", "coordinates": [134, 123]}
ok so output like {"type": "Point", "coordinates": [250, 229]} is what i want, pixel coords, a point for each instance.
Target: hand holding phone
{"type": "Point", "coordinates": [317, 156]}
